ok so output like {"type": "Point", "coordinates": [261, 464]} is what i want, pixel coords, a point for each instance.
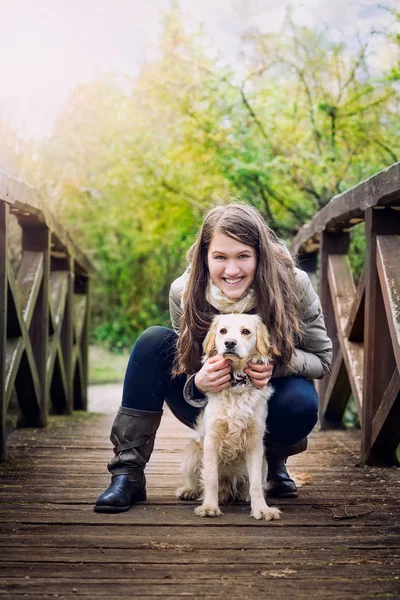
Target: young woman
{"type": "Point", "coordinates": [237, 264]}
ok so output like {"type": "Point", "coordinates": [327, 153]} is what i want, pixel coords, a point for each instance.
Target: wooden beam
{"type": "Point", "coordinates": [58, 294]}
{"type": "Point", "coordinates": [59, 390]}
{"type": "Point", "coordinates": [36, 249]}
{"type": "Point", "coordinates": [334, 400]}
{"type": "Point", "coordinates": [343, 293]}
{"type": "Point", "coordinates": [67, 337]}
{"type": "Point", "coordinates": [354, 330]}
{"type": "Point", "coordinates": [331, 243]}
{"type": "Point", "coordinates": [79, 315]}
{"type": "Point", "coordinates": [379, 362]}
{"type": "Point", "coordinates": [14, 349]}
{"type": "Point", "coordinates": [29, 280]}
{"type": "Point", "coordinates": [389, 397]}
{"type": "Point", "coordinates": [3, 324]}
{"type": "Point", "coordinates": [388, 264]}
{"type": "Point", "coordinates": [382, 189]}
{"type": "Point", "coordinates": [27, 382]}
{"type": "Point", "coordinates": [85, 346]}
{"type": "Point", "coordinates": [28, 206]}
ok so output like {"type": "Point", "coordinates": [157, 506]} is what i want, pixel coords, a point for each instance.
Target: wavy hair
{"type": "Point", "coordinates": [275, 285]}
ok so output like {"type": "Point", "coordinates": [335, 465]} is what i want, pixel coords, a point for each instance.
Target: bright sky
{"type": "Point", "coordinates": [48, 46]}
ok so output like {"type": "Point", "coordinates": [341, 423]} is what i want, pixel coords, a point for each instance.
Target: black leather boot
{"type": "Point", "coordinates": [121, 494]}
{"type": "Point", "coordinates": [279, 483]}
{"type": "Point", "coordinates": [133, 434]}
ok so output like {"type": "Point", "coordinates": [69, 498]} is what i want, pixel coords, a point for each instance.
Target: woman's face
{"type": "Point", "coordinates": [232, 265]}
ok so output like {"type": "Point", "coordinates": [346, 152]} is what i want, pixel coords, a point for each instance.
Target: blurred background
{"type": "Point", "coordinates": [133, 118]}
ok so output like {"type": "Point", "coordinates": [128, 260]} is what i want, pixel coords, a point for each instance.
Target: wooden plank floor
{"type": "Point", "coordinates": [340, 539]}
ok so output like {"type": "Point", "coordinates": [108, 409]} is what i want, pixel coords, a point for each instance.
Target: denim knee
{"type": "Point", "coordinates": [293, 409]}
{"type": "Point", "coordinates": [149, 369]}
{"type": "Point", "coordinates": [155, 339]}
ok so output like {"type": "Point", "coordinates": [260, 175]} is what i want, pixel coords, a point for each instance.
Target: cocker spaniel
{"type": "Point", "coordinates": [225, 460]}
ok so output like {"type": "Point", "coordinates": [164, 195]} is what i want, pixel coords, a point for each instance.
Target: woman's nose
{"type": "Point", "coordinates": [232, 268]}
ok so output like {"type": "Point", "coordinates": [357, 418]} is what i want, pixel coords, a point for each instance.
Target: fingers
{"type": "Point", "coordinates": [217, 364]}
{"type": "Point", "coordinates": [215, 359]}
{"type": "Point", "coordinates": [253, 374]}
{"type": "Point", "coordinates": [269, 366]}
{"type": "Point", "coordinates": [214, 375]}
{"type": "Point", "coordinates": [222, 383]}
{"type": "Point", "coordinates": [260, 374]}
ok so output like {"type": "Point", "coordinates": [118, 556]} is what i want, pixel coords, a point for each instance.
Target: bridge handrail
{"type": "Point", "coordinates": [347, 209]}
{"type": "Point", "coordinates": [27, 204]}
{"type": "Point", "coordinates": [44, 312]}
{"type": "Point", "coordinates": [363, 322]}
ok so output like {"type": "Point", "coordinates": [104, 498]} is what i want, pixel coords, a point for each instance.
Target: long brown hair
{"type": "Point", "coordinates": [275, 285]}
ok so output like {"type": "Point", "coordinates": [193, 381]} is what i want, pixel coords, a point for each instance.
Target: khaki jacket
{"type": "Point", "coordinates": [313, 358]}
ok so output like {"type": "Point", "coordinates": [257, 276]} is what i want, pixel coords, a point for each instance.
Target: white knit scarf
{"type": "Point", "coordinates": [226, 305]}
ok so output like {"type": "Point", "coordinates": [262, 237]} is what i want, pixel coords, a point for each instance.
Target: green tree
{"type": "Point", "coordinates": [133, 164]}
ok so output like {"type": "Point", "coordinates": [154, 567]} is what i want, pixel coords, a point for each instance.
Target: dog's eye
{"type": "Point", "coordinates": [246, 331]}
{"type": "Point", "coordinates": [223, 331]}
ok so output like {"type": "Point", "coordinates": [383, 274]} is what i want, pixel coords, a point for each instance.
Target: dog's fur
{"type": "Point", "coordinates": [226, 460]}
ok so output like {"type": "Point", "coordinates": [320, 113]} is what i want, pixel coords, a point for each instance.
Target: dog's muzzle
{"type": "Point", "coordinates": [230, 344]}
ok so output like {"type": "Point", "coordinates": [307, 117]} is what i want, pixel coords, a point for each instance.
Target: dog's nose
{"type": "Point", "coordinates": [230, 344]}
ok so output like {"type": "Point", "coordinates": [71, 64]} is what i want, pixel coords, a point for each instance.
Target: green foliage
{"type": "Point", "coordinates": [105, 366]}
{"type": "Point", "coordinates": [350, 417]}
{"type": "Point", "coordinates": [133, 165]}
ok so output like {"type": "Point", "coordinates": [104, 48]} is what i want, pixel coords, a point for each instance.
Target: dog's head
{"type": "Point", "coordinates": [237, 337]}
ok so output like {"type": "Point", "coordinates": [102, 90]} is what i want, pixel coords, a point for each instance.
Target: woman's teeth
{"type": "Point", "coordinates": [233, 281]}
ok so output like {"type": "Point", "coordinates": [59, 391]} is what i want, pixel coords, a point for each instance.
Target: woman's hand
{"type": "Point", "coordinates": [260, 374]}
{"type": "Point", "coordinates": [214, 375]}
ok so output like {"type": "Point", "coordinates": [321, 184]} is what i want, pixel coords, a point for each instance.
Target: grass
{"type": "Point", "coordinates": [106, 367]}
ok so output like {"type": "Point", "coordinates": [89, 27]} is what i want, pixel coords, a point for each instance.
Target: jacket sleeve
{"type": "Point", "coordinates": [313, 357]}
{"type": "Point", "coordinates": [175, 297]}
{"type": "Point", "coordinates": [175, 310]}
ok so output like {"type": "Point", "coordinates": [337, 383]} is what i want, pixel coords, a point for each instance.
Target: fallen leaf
{"type": "Point", "coordinates": [303, 479]}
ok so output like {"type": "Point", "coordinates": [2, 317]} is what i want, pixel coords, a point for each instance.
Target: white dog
{"type": "Point", "coordinates": [226, 460]}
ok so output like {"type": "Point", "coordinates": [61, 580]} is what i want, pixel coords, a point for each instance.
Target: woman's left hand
{"type": "Point", "coordinates": [260, 374]}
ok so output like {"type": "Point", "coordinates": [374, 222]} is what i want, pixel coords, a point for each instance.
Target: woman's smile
{"type": "Point", "coordinates": [231, 264]}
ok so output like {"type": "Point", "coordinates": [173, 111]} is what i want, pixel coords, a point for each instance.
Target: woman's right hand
{"type": "Point", "coordinates": [214, 375]}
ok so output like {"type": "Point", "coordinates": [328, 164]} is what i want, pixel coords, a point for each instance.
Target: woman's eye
{"type": "Point", "coordinates": [222, 331]}
{"type": "Point", "coordinates": [246, 331]}
{"type": "Point", "coordinates": [219, 257]}
{"type": "Point", "coordinates": [244, 256]}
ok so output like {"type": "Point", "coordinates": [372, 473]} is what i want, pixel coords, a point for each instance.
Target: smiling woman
{"type": "Point", "coordinates": [236, 265]}
{"type": "Point", "coordinates": [231, 264]}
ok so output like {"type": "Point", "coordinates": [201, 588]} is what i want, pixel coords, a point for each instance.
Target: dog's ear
{"type": "Point", "coordinates": [209, 340]}
{"type": "Point", "coordinates": [262, 341]}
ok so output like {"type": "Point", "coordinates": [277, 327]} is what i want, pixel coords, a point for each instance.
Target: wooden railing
{"type": "Point", "coordinates": [44, 311]}
{"type": "Point", "coordinates": [363, 322]}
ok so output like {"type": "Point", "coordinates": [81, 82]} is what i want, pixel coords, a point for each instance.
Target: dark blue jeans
{"type": "Point", "coordinates": [292, 409]}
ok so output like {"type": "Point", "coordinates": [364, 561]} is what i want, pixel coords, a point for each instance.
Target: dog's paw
{"type": "Point", "coordinates": [265, 512]}
{"type": "Point", "coordinates": [207, 510]}
{"type": "Point", "coordinates": [186, 493]}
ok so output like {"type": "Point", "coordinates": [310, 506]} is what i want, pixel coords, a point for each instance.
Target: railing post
{"type": "Point", "coordinates": [67, 336]}
{"type": "Point", "coordinates": [379, 362]}
{"type": "Point", "coordinates": [3, 323]}
{"type": "Point", "coordinates": [81, 328]}
{"type": "Point", "coordinates": [37, 240]}
{"type": "Point", "coordinates": [332, 243]}
{"type": "Point", "coordinates": [62, 381]}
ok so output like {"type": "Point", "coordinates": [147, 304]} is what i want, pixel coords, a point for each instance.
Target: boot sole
{"type": "Point", "coordinates": [108, 508]}
{"type": "Point", "coordinates": [284, 495]}
{"type": "Point", "coordinates": [111, 509]}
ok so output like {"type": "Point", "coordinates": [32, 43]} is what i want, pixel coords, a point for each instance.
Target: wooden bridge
{"type": "Point", "coordinates": [339, 539]}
